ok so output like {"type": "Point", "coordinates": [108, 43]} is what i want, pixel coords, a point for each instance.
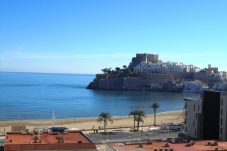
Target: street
{"type": "Point", "coordinates": [127, 136]}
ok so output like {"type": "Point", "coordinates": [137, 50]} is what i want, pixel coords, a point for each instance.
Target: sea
{"type": "Point", "coordinates": [26, 96]}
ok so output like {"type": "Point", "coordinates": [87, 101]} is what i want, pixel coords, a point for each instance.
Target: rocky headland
{"type": "Point", "coordinates": [147, 73]}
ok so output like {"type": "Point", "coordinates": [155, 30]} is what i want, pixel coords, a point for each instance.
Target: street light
{"type": "Point", "coordinates": [106, 135]}
{"type": "Point", "coordinates": [141, 132]}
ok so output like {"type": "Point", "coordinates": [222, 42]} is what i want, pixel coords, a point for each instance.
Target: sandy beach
{"type": "Point", "coordinates": [88, 123]}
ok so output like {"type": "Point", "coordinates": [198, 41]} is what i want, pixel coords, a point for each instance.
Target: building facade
{"type": "Point", "coordinates": [164, 67]}
{"type": "Point", "coordinates": [207, 118]}
{"type": "Point", "coordinates": [147, 58]}
{"type": "Point", "coordinates": [193, 113]}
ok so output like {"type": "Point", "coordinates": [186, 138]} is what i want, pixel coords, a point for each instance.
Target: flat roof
{"type": "Point", "coordinates": [198, 146]}
{"type": "Point", "coordinates": [217, 91]}
{"type": "Point", "coordinates": [45, 138]}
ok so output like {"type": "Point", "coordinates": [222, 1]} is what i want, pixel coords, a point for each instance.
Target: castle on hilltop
{"type": "Point", "coordinates": [146, 58]}
{"type": "Point", "coordinates": [147, 72]}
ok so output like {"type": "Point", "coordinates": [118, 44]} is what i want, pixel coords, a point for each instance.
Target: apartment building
{"type": "Point", "coordinates": [207, 118]}
{"type": "Point", "coordinates": [193, 115]}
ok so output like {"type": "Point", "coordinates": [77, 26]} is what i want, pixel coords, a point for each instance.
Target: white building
{"type": "Point", "coordinates": [146, 67]}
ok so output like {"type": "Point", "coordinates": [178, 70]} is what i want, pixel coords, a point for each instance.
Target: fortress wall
{"type": "Point", "coordinates": [110, 83]}
{"type": "Point", "coordinates": [138, 83]}
{"type": "Point", "coordinates": [134, 83]}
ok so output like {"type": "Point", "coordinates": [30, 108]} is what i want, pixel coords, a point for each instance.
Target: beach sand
{"type": "Point", "coordinates": [88, 123]}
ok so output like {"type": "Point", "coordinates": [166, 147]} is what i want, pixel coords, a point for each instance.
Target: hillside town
{"type": "Point", "coordinates": [147, 72]}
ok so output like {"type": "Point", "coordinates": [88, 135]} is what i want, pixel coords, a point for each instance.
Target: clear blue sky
{"type": "Point", "coordinates": [83, 36]}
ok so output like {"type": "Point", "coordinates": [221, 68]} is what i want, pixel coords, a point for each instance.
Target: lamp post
{"type": "Point", "coordinates": [107, 135]}
{"type": "Point", "coordinates": [141, 133]}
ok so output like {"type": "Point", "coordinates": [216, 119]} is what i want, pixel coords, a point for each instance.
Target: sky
{"type": "Point", "coordinates": [84, 36]}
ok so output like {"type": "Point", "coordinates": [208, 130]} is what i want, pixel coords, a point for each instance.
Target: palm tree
{"type": "Point", "coordinates": [155, 106]}
{"type": "Point", "coordinates": [104, 117]}
{"type": "Point", "coordinates": [139, 118]}
{"type": "Point", "coordinates": [134, 114]}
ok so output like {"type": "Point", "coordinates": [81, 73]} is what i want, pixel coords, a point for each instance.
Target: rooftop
{"type": "Point", "coordinates": [197, 146]}
{"type": "Point", "coordinates": [45, 138]}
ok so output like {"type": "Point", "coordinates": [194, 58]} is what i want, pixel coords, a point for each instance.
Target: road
{"type": "Point", "coordinates": [124, 136]}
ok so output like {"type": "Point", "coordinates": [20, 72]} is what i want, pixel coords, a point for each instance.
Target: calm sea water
{"type": "Point", "coordinates": [38, 95]}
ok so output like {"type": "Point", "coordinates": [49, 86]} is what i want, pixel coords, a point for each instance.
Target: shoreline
{"type": "Point", "coordinates": [175, 116]}
{"type": "Point", "coordinates": [80, 118]}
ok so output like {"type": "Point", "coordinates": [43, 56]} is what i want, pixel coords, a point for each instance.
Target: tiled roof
{"type": "Point", "coordinates": [45, 138]}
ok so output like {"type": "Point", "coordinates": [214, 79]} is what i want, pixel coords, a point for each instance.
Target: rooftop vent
{"type": "Point", "coordinates": [166, 145]}
{"type": "Point", "coordinates": [212, 143]}
{"type": "Point", "coordinates": [60, 139]}
{"type": "Point", "coordinates": [80, 142]}
{"type": "Point", "coordinates": [35, 138]}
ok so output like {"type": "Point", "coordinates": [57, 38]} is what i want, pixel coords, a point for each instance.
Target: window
{"type": "Point", "coordinates": [222, 102]}
{"type": "Point", "coordinates": [194, 106]}
{"type": "Point", "coordinates": [185, 129]}
{"type": "Point", "coordinates": [221, 121]}
{"type": "Point", "coordinates": [186, 113]}
{"type": "Point", "coordinates": [221, 111]}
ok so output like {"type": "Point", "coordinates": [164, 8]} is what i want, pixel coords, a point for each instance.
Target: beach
{"type": "Point", "coordinates": [89, 123]}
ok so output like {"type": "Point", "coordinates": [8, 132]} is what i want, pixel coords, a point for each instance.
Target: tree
{"type": "Point", "coordinates": [134, 114]}
{"type": "Point", "coordinates": [104, 117]}
{"type": "Point", "coordinates": [104, 70]}
{"type": "Point", "coordinates": [124, 66]}
{"type": "Point", "coordinates": [155, 106]}
{"type": "Point", "coordinates": [117, 69]}
{"type": "Point", "coordinates": [109, 70]}
{"type": "Point", "coordinates": [139, 118]}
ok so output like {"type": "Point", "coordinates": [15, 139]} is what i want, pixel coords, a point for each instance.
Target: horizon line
{"type": "Point", "coordinates": [40, 72]}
